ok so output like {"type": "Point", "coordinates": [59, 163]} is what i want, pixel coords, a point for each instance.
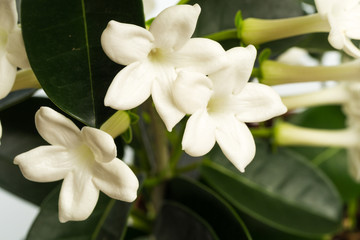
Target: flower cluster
{"type": "Point", "coordinates": [184, 76]}
{"type": "Point", "coordinates": [193, 76]}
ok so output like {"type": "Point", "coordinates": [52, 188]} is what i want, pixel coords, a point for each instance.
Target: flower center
{"type": "Point", "coordinates": [83, 155]}
{"type": "Point", "coordinates": [217, 104]}
{"type": "Point", "coordinates": [157, 55]}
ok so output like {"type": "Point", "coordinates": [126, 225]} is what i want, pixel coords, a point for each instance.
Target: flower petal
{"type": "Point", "coordinates": [354, 163]}
{"type": "Point", "coordinates": [201, 55]}
{"type": "Point", "coordinates": [323, 6]}
{"type": "Point", "coordinates": [131, 86]}
{"type": "Point", "coordinates": [8, 15]}
{"type": "Point", "coordinates": [235, 141]}
{"type": "Point", "coordinates": [116, 180]}
{"type": "Point", "coordinates": [16, 49]}
{"type": "Point", "coordinates": [101, 144]}
{"type": "Point", "coordinates": [191, 91]}
{"type": "Point", "coordinates": [258, 102]}
{"type": "Point", "coordinates": [45, 163]}
{"type": "Point", "coordinates": [56, 129]}
{"type": "Point", "coordinates": [78, 197]}
{"type": "Point", "coordinates": [7, 75]}
{"type": "Point", "coordinates": [351, 49]}
{"type": "Point", "coordinates": [199, 135]}
{"type": "Point", "coordinates": [126, 43]}
{"type": "Point", "coordinates": [174, 26]}
{"type": "Point", "coordinates": [336, 38]}
{"type": "Point", "coordinates": [163, 100]}
{"type": "Point", "coordinates": [233, 78]}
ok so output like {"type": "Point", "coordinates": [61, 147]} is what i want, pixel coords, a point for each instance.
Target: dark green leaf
{"type": "Point", "coordinates": [62, 38]}
{"type": "Point", "coordinates": [177, 222]}
{"type": "Point", "coordinates": [20, 135]}
{"type": "Point", "coordinates": [209, 206]}
{"type": "Point", "coordinates": [108, 221]}
{"type": "Point", "coordinates": [219, 15]}
{"type": "Point", "coordinates": [281, 190]}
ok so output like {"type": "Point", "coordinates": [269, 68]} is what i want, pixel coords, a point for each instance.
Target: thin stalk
{"type": "Point", "coordinates": [262, 132]}
{"type": "Point", "coordinates": [223, 35]}
{"type": "Point", "coordinates": [258, 31]}
{"type": "Point", "coordinates": [331, 95]}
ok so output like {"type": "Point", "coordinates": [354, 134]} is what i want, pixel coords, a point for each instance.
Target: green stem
{"type": "Point", "coordinates": [262, 132]}
{"type": "Point", "coordinates": [258, 31]}
{"type": "Point", "coordinates": [331, 95]}
{"type": "Point", "coordinates": [353, 206]}
{"type": "Point", "coordinates": [273, 73]}
{"type": "Point", "coordinates": [223, 35]}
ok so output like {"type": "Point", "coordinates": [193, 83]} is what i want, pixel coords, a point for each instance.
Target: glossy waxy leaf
{"type": "Point", "coordinates": [177, 222]}
{"type": "Point", "coordinates": [281, 190]}
{"type": "Point", "coordinates": [62, 39]}
{"type": "Point", "coordinates": [20, 135]}
{"type": "Point", "coordinates": [209, 206]}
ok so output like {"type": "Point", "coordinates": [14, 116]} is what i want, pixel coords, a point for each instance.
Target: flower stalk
{"type": "Point", "coordinates": [332, 95]}
{"type": "Point", "coordinates": [287, 134]}
{"type": "Point", "coordinates": [274, 73]}
{"type": "Point", "coordinates": [117, 124]}
{"type": "Point", "coordinates": [258, 31]}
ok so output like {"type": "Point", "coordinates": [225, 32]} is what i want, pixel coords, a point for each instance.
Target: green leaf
{"type": "Point", "coordinates": [281, 190]}
{"type": "Point", "coordinates": [177, 222]}
{"type": "Point", "coordinates": [333, 162]}
{"type": "Point", "coordinates": [108, 221]}
{"type": "Point", "coordinates": [62, 39]}
{"type": "Point", "coordinates": [219, 15]}
{"type": "Point", "coordinates": [20, 135]}
{"type": "Point", "coordinates": [209, 206]}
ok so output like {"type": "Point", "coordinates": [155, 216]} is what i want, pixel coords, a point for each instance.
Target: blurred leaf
{"type": "Point", "coordinates": [209, 206]}
{"type": "Point", "coordinates": [281, 190]}
{"type": "Point", "coordinates": [219, 15]}
{"type": "Point", "coordinates": [334, 162]}
{"type": "Point", "coordinates": [16, 97]}
{"type": "Point", "coordinates": [177, 222]}
{"type": "Point", "coordinates": [20, 135]}
{"type": "Point", "coordinates": [107, 221]}
{"type": "Point", "coordinates": [62, 38]}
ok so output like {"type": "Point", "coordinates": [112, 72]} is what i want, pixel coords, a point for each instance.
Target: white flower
{"type": "Point", "coordinates": [12, 50]}
{"type": "Point", "coordinates": [152, 57]}
{"type": "Point", "coordinates": [344, 19]}
{"type": "Point", "coordinates": [221, 103]}
{"type": "Point", "coordinates": [85, 159]}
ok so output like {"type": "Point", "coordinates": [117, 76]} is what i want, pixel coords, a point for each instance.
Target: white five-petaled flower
{"type": "Point", "coordinates": [153, 56]}
{"type": "Point", "coordinates": [85, 159]}
{"type": "Point", "coordinates": [221, 103]}
{"type": "Point", "coordinates": [12, 50]}
{"type": "Point", "coordinates": [344, 19]}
